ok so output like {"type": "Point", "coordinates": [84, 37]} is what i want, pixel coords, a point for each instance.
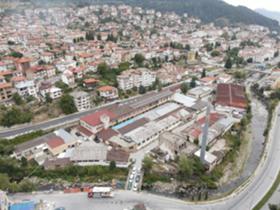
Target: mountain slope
{"type": "Point", "coordinates": [269, 14]}
{"type": "Point", "coordinates": [206, 10]}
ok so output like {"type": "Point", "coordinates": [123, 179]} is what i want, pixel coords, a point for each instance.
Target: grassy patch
{"type": "Point", "coordinates": [151, 178]}
{"type": "Point", "coordinates": [267, 196]}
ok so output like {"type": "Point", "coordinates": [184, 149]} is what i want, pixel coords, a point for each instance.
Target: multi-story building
{"type": "Point", "coordinates": [3, 66]}
{"type": "Point", "coordinates": [68, 78]}
{"type": "Point", "coordinates": [6, 91]}
{"type": "Point", "coordinates": [40, 72]}
{"type": "Point", "coordinates": [108, 92]}
{"type": "Point", "coordinates": [23, 64]}
{"type": "Point", "coordinates": [82, 100]}
{"type": "Point", "coordinates": [26, 88]}
{"type": "Point", "coordinates": [55, 92]}
{"type": "Point", "coordinates": [135, 78]}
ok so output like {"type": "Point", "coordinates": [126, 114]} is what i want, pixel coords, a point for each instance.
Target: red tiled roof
{"type": "Point", "coordinates": [208, 79]}
{"type": "Point", "coordinates": [214, 117]}
{"type": "Point", "coordinates": [195, 132]}
{"type": "Point", "coordinates": [231, 95]}
{"type": "Point", "coordinates": [37, 68]}
{"type": "Point", "coordinates": [55, 142]}
{"type": "Point", "coordinates": [79, 69]}
{"type": "Point", "coordinates": [106, 134]}
{"type": "Point", "coordinates": [84, 131]}
{"type": "Point", "coordinates": [6, 72]}
{"type": "Point", "coordinates": [23, 60]}
{"type": "Point", "coordinates": [18, 79]}
{"type": "Point", "coordinates": [106, 88]}
{"type": "Point", "coordinates": [118, 155]}
{"type": "Point", "coordinates": [94, 118]}
{"type": "Point", "coordinates": [5, 85]}
{"type": "Point", "coordinates": [91, 80]}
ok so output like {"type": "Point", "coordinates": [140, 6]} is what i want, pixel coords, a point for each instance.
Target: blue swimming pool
{"type": "Point", "coordinates": [123, 124]}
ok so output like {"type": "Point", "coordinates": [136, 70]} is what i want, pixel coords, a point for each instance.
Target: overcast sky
{"type": "Point", "coordinates": [273, 5]}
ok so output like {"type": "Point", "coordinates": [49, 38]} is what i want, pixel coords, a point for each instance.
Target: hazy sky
{"type": "Point", "coordinates": [273, 5]}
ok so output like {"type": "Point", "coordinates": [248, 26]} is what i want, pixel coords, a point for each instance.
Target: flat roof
{"type": "Point", "coordinates": [161, 111]}
{"type": "Point", "coordinates": [89, 151]}
{"type": "Point", "coordinates": [209, 158]}
{"type": "Point", "coordinates": [35, 142]}
{"type": "Point", "coordinates": [184, 100]}
{"type": "Point", "coordinates": [134, 125]}
{"type": "Point", "coordinates": [149, 98]}
{"type": "Point", "coordinates": [150, 129]}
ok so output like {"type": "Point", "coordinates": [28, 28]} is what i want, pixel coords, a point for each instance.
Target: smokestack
{"type": "Point", "coordinates": [205, 134]}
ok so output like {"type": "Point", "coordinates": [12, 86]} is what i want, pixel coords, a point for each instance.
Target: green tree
{"type": "Point", "coordinates": [209, 47]}
{"type": "Point", "coordinates": [4, 182]}
{"type": "Point", "coordinates": [188, 47]}
{"type": "Point", "coordinates": [90, 35]}
{"type": "Point", "coordinates": [112, 165]}
{"type": "Point", "coordinates": [142, 89]}
{"type": "Point", "coordinates": [102, 69]}
{"type": "Point", "coordinates": [184, 87]}
{"type": "Point", "coordinates": [139, 59]}
{"type": "Point", "coordinates": [16, 54]}
{"type": "Point", "coordinates": [17, 99]}
{"type": "Point", "coordinates": [228, 63]}
{"type": "Point", "coordinates": [107, 74]}
{"type": "Point", "coordinates": [26, 186]}
{"type": "Point", "coordinates": [239, 75]}
{"type": "Point", "coordinates": [67, 104]}
{"type": "Point", "coordinates": [185, 167]}
{"type": "Point", "coordinates": [147, 164]}
{"type": "Point", "coordinates": [193, 82]}
{"type": "Point", "coordinates": [64, 87]}
{"type": "Point", "coordinates": [250, 60]}
{"type": "Point", "coordinates": [15, 116]}
{"type": "Point", "coordinates": [159, 85]}
{"type": "Point", "coordinates": [48, 98]}
{"type": "Point", "coordinates": [215, 53]}
{"type": "Point", "coordinates": [203, 73]}
{"type": "Point", "coordinates": [199, 196]}
{"type": "Point", "coordinates": [124, 66]}
{"type": "Point", "coordinates": [217, 44]}
{"type": "Point", "coordinates": [273, 207]}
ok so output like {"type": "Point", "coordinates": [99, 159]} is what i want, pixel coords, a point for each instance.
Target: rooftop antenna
{"type": "Point", "coordinates": [205, 134]}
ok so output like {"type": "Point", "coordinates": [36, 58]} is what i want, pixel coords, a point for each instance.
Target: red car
{"type": "Point", "coordinates": [90, 194]}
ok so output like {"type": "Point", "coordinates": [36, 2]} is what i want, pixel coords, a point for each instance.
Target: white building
{"type": "Point", "coordinates": [108, 92]}
{"type": "Point", "coordinates": [82, 100]}
{"type": "Point", "coordinates": [55, 92]}
{"type": "Point", "coordinates": [68, 78]}
{"type": "Point", "coordinates": [135, 78]}
{"type": "Point", "coordinates": [27, 88]}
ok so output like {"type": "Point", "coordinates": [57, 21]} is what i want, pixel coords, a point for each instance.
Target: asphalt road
{"type": "Point", "coordinates": [64, 120]}
{"type": "Point", "coordinates": [27, 128]}
{"type": "Point", "coordinates": [245, 198]}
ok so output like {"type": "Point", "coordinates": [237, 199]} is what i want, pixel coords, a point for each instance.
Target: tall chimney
{"type": "Point", "coordinates": [205, 134]}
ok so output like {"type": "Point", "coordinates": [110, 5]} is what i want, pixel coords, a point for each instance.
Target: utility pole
{"type": "Point", "coordinates": [205, 134]}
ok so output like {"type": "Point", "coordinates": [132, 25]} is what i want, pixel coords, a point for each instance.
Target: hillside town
{"type": "Point", "coordinates": [162, 99]}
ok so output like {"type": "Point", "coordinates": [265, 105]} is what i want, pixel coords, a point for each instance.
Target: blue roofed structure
{"type": "Point", "coordinates": [23, 205]}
